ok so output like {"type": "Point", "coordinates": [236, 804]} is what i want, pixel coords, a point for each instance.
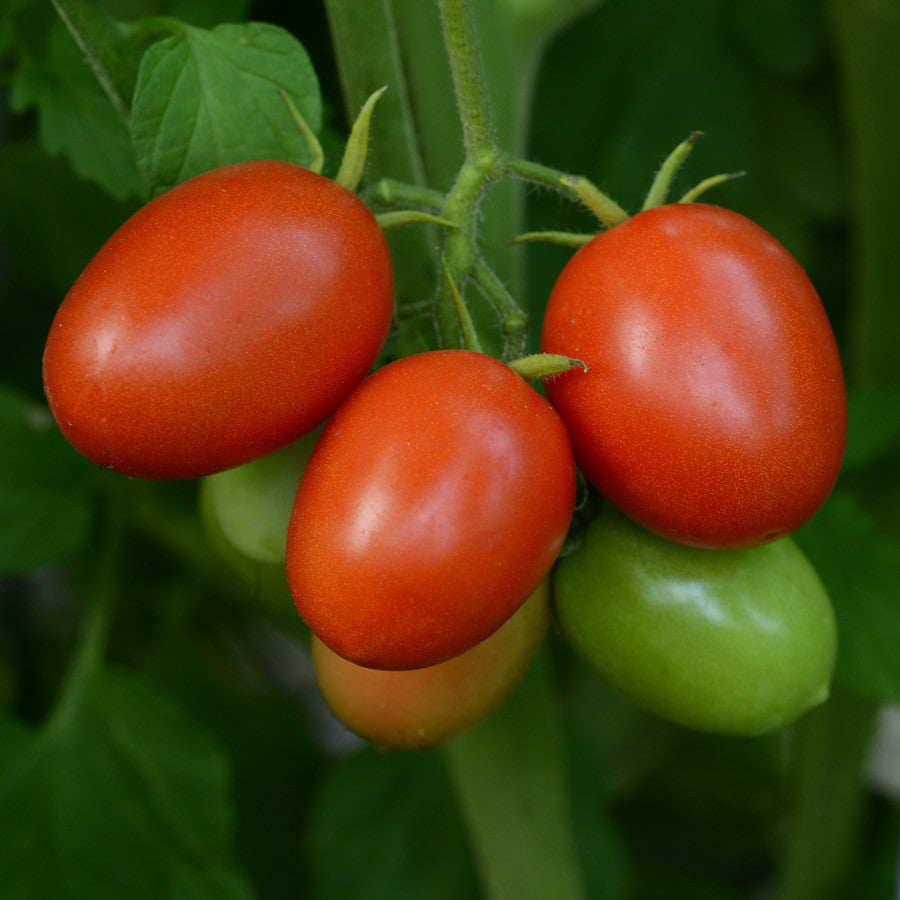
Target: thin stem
{"type": "Point", "coordinates": [602, 206]}
{"type": "Point", "coordinates": [388, 192]}
{"type": "Point", "coordinates": [513, 320]}
{"type": "Point", "coordinates": [102, 594]}
{"type": "Point", "coordinates": [468, 82]}
{"type": "Point", "coordinates": [100, 39]}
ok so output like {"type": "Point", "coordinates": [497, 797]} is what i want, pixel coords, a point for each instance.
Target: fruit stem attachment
{"type": "Point", "coordinates": [602, 206]}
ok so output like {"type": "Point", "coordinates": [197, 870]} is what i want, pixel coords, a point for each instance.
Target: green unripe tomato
{"type": "Point", "coordinates": [265, 582]}
{"type": "Point", "coordinates": [417, 708]}
{"type": "Point", "coordinates": [739, 642]}
{"type": "Point", "coordinates": [252, 503]}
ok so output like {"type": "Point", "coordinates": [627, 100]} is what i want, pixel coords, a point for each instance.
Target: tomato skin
{"type": "Point", "coordinates": [420, 708]}
{"type": "Point", "coordinates": [223, 320]}
{"type": "Point", "coordinates": [735, 643]}
{"type": "Point", "coordinates": [713, 409]}
{"type": "Point", "coordinates": [435, 501]}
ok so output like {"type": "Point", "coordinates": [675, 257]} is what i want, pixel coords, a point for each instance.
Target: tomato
{"type": "Point", "coordinates": [420, 708]}
{"type": "Point", "coordinates": [713, 408]}
{"type": "Point", "coordinates": [252, 503]}
{"type": "Point", "coordinates": [223, 320]}
{"type": "Point", "coordinates": [264, 584]}
{"type": "Point", "coordinates": [736, 643]}
{"type": "Point", "coordinates": [437, 498]}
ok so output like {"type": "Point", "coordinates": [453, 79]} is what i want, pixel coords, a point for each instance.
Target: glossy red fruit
{"type": "Point", "coordinates": [437, 498]}
{"type": "Point", "coordinates": [223, 320]}
{"type": "Point", "coordinates": [713, 408]}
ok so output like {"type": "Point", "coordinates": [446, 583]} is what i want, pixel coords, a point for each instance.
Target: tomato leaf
{"type": "Point", "coordinates": [123, 798]}
{"type": "Point", "coordinates": [367, 837]}
{"type": "Point", "coordinates": [206, 98]}
{"type": "Point", "coordinates": [45, 501]}
{"type": "Point", "coordinates": [861, 570]}
{"type": "Point", "coordinates": [75, 117]}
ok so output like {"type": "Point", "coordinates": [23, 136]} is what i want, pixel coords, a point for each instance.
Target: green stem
{"type": "Point", "coordinates": [388, 192]}
{"type": "Point", "coordinates": [101, 40]}
{"type": "Point", "coordinates": [513, 320]}
{"type": "Point", "coordinates": [828, 752]}
{"type": "Point", "coordinates": [510, 779]}
{"type": "Point", "coordinates": [479, 137]}
{"type": "Point", "coordinates": [102, 593]}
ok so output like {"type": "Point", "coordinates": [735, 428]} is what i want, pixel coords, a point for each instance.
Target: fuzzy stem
{"type": "Point", "coordinates": [468, 81]}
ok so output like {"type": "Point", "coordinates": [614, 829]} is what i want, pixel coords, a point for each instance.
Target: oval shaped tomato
{"type": "Point", "coordinates": [420, 708]}
{"type": "Point", "coordinates": [736, 643]}
{"type": "Point", "coordinates": [713, 408]}
{"type": "Point", "coordinates": [223, 320]}
{"type": "Point", "coordinates": [437, 498]}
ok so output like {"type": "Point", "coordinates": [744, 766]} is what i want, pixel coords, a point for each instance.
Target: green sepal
{"type": "Point", "coordinates": [354, 162]}
{"type": "Point", "coordinates": [542, 365]}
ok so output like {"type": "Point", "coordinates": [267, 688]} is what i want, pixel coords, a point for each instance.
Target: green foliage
{"type": "Point", "coordinates": [45, 501]}
{"type": "Point", "coordinates": [121, 796]}
{"type": "Point", "coordinates": [196, 760]}
{"type": "Point", "coordinates": [384, 827]}
{"type": "Point", "coordinates": [208, 98]}
{"type": "Point", "coordinates": [75, 115]}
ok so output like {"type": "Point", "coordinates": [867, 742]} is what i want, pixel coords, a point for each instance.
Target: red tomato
{"type": "Point", "coordinates": [435, 501]}
{"type": "Point", "coordinates": [713, 408]}
{"type": "Point", "coordinates": [223, 320]}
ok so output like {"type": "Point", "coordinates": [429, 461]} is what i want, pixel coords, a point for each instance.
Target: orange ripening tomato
{"type": "Point", "coordinates": [420, 708]}
{"type": "Point", "coordinates": [713, 409]}
{"type": "Point", "coordinates": [435, 501]}
{"type": "Point", "coordinates": [223, 320]}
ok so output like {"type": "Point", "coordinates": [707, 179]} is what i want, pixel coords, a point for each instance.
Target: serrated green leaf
{"type": "Point", "coordinates": [75, 117]}
{"type": "Point", "coordinates": [860, 568]}
{"type": "Point", "coordinates": [45, 500]}
{"type": "Point", "coordinates": [208, 98]}
{"type": "Point", "coordinates": [125, 798]}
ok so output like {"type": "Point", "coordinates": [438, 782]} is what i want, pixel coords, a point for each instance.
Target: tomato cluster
{"type": "Point", "coordinates": [233, 315]}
